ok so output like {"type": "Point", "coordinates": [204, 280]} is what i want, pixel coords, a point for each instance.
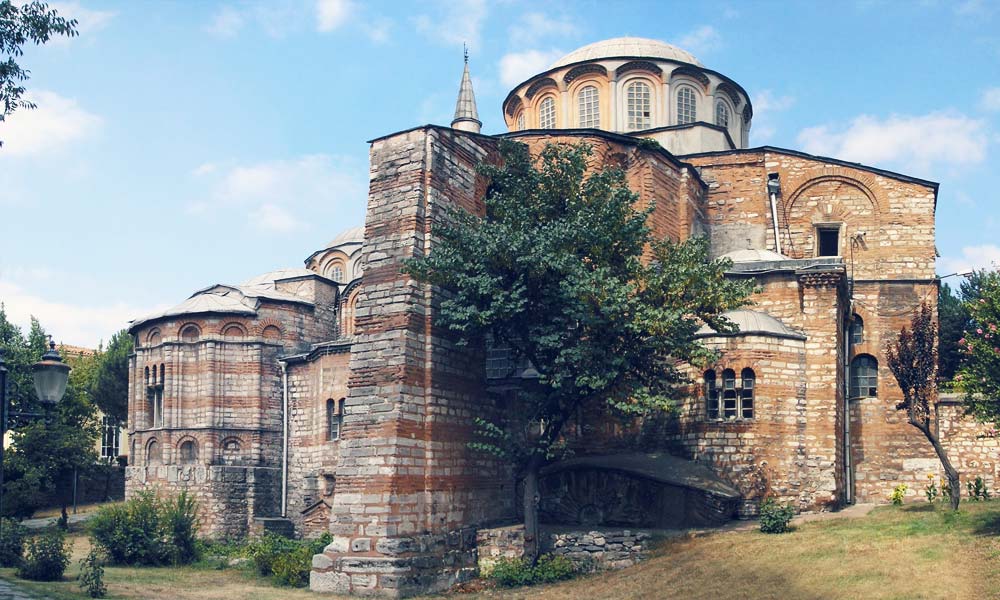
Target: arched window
{"type": "Point", "coordinates": [746, 393]}
{"type": "Point", "coordinates": [638, 104]}
{"type": "Point", "coordinates": [340, 414]}
{"type": "Point", "coordinates": [271, 332]}
{"type": "Point", "coordinates": [547, 113]}
{"type": "Point", "coordinates": [347, 317]}
{"type": "Point", "coordinates": [154, 375]}
{"type": "Point", "coordinates": [721, 114]}
{"type": "Point", "coordinates": [153, 338]}
{"type": "Point", "coordinates": [711, 395]}
{"type": "Point", "coordinates": [729, 409]}
{"type": "Point", "coordinates": [864, 377]}
{"type": "Point", "coordinates": [163, 373]}
{"type": "Point", "coordinates": [147, 375]}
{"type": "Point", "coordinates": [686, 106]}
{"type": "Point", "coordinates": [189, 452]}
{"type": "Point", "coordinates": [153, 454]}
{"type": "Point", "coordinates": [857, 330]}
{"type": "Point", "coordinates": [190, 333]}
{"type": "Point", "coordinates": [520, 121]}
{"type": "Point", "coordinates": [233, 331]}
{"type": "Point", "coordinates": [332, 421]}
{"type": "Point", "coordinates": [588, 107]}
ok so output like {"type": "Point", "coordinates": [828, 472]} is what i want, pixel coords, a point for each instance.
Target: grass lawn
{"type": "Point", "coordinates": [917, 551]}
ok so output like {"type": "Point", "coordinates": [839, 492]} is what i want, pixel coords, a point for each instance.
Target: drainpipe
{"type": "Point", "coordinates": [284, 439]}
{"type": "Point", "coordinates": [848, 473]}
{"type": "Point", "coordinates": [773, 189]}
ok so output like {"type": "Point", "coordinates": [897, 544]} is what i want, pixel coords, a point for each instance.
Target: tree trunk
{"type": "Point", "coordinates": [531, 500]}
{"type": "Point", "coordinates": [953, 478]}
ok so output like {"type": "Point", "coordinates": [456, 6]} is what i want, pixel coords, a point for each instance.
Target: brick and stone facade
{"type": "Point", "coordinates": [326, 399]}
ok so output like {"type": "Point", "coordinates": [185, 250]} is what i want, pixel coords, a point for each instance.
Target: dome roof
{"type": "Point", "coordinates": [753, 255]}
{"type": "Point", "coordinates": [753, 322]}
{"type": "Point", "coordinates": [355, 235]}
{"type": "Point", "coordinates": [268, 279]}
{"type": "Point", "coordinates": [627, 46]}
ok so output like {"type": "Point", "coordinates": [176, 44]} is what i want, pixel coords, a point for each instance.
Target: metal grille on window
{"type": "Point", "coordinates": [686, 109]}
{"type": "Point", "coordinates": [729, 393]}
{"type": "Point", "coordinates": [864, 377]}
{"type": "Point", "coordinates": [520, 122]}
{"type": "Point", "coordinates": [110, 437]}
{"type": "Point", "coordinates": [711, 395]}
{"type": "Point", "coordinates": [638, 106]}
{"type": "Point", "coordinates": [332, 420]}
{"type": "Point", "coordinates": [589, 107]}
{"type": "Point", "coordinates": [857, 330]}
{"type": "Point", "coordinates": [547, 113]}
{"type": "Point", "coordinates": [721, 114]}
{"type": "Point", "coordinates": [746, 393]}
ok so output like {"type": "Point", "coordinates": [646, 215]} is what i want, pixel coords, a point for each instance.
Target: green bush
{"type": "Point", "coordinates": [513, 572]}
{"type": "Point", "coordinates": [287, 561]}
{"type": "Point", "coordinates": [148, 531]}
{"type": "Point", "coordinates": [12, 536]}
{"type": "Point", "coordinates": [978, 490]}
{"type": "Point", "coordinates": [92, 575]}
{"type": "Point", "coordinates": [774, 517]}
{"type": "Point", "coordinates": [46, 557]}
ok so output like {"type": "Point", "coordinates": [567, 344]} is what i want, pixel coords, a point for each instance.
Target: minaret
{"type": "Point", "coordinates": [466, 115]}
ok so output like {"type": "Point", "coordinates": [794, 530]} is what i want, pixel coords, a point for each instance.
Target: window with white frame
{"type": "Point", "coordinates": [547, 113]}
{"type": "Point", "coordinates": [520, 121]}
{"type": "Point", "coordinates": [734, 399]}
{"type": "Point", "coordinates": [747, 393]}
{"type": "Point", "coordinates": [721, 114]}
{"type": "Point", "coordinates": [588, 107]}
{"type": "Point", "coordinates": [711, 395]}
{"type": "Point", "coordinates": [686, 106]}
{"type": "Point", "coordinates": [638, 106]}
{"type": "Point", "coordinates": [110, 437]}
{"type": "Point", "coordinates": [729, 394]}
{"type": "Point", "coordinates": [857, 330]}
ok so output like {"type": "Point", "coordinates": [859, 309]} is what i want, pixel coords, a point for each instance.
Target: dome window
{"type": "Point", "coordinates": [686, 106]}
{"type": "Point", "coordinates": [638, 106]}
{"type": "Point", "coordinates": [721, 114]}
{"type": "Point", "coordinates": [547, 113]}
{"type": "Point", "coordinates": [520, 121]}
{"type": "Point", "coordinates": [589, 107]}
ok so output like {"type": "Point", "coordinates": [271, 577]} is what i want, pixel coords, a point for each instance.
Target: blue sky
{"type": "Point", "coordinates": [181, 144]}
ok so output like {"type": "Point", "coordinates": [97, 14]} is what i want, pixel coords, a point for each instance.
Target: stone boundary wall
{"type": "Point", "coordinates": [595, 550]}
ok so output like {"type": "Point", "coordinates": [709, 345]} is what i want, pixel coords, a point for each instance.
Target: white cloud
{"type": "Point", "coordinates": [535, 27]}
{"type": "Point", "coordinates": [227, 22]}
{"type": "Point", "coordinates": [88, 21]}
{"type": "Point", "coordinates": [973, 257]}
{"type": "Point", "coordinates": [518, 66]}
{"type": "Point", "coordinates": [703, 40]}
{"type": "Point", "coordinates": [990, 99]}
{"type": "Point", "coordinates": [277, 196]}
{"type": "Point", "coordinates": [76, 324]}
{"type": "Point", "coordinates": [331, 14]}
{"type": "Point", "coordinates": [55, 123]}
{"type": "Point", "coordinates": [768, 101]}
{"type": "Point", "coordinates": [941, 137]}
{"type": "Point", "coordinates": [377, 29]}
{"type": "Point", "coordinates": [457, 22]}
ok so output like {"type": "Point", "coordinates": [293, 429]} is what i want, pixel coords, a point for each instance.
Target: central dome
{"type": "Point", "coordinates": [627, 46]}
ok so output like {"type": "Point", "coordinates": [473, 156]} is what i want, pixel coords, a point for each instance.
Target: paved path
{"type": "Point", "coordinates": [45, 522]}
{"type": "Point", "coordinates": [9, 591]}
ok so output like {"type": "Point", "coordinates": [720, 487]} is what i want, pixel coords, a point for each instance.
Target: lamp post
{"type": "Point", "coordinates": [50, 376]}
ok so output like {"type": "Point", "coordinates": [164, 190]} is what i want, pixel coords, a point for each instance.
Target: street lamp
{"type": "Point", "coordinates": [51, 375]}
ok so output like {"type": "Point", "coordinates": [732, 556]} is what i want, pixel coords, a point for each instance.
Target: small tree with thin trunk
{"type": "Point", "coordinates": [913, 360]}
{"type": "Point", "coordinates": [555, 272]}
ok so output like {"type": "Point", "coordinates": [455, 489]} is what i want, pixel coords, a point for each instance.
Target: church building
{"type": "Point", "coordinates": [323, 398]}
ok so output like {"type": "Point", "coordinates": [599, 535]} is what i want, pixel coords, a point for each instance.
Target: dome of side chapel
{"type": "Point", "coordinates": [627, 46]}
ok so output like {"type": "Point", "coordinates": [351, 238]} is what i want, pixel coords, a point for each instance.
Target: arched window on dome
{"type": "Point", "coordinates": [721, 114]}
{"type": "Point", "coordinates": [588, 107]}
{"type": "Point", "coordinates": [638, 106]}
{"type": "Point", "coordinates": [729, 394]}
{"type": "Point", "coordinates": [520, 121]}
{"type": "Point", "coordinates": [864, 377]}
{"type": "Point", "coordinates": [547, 113]}
{"type": "Point", "coordinates": [687, 108]}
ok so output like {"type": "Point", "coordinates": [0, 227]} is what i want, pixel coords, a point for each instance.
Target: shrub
{"type": "Point", "coordinates": [774, 517]}
{"type": "Point", "coordinates": [46, 557]}
{"type": "Point", "coordinates": [148, 531]}
{"type": "Point", "coordinates": [12, 536]}
{"type": "Point", "coordinates": [287, 561]}
{"type": "Point", "coordinates": [512, 572]}
{"type": "Point", "coordinates": [898, 495]}
{"type": "Point", "coordinates": [92, 575]}
{"type": "Point", "coordinates": [265, 550]}
{"type": "Point", "coordinates": [977, 490]}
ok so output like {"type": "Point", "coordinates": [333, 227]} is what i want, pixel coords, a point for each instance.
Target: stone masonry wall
{"type": "Point", "coordinates": [589, 550]}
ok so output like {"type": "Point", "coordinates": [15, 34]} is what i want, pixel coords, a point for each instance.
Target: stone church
{"type": "Point", "coordinates": [324, 398]}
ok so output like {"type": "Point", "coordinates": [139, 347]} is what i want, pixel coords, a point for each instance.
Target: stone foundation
{"type": "Point", "coordinates": [596, 550]}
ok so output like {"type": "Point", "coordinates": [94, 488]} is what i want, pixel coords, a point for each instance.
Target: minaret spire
{"type": "Point", "coordinates": [466, 115]}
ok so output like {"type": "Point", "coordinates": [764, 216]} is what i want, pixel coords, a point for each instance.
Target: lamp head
{"type": "Point", "coordinates": [51, 375]}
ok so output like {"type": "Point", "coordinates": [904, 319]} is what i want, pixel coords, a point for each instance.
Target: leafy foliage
{"type": "Point", "coordinates": [774, 517]}
{"type": "Point", "coordinates": [46, 557]}
{"type": "Point", "coordinates": [977, 489]}
{"type": "Point", "coordinates": [146, 530]}
{"type": "Point", "coordinates": [979, 376]}
{"type": "Point", "coordinates": [287, 561]}
{"type": "Point", "coordinates": [19, 24]}
{"type": "Point", "coordinates": [953, 318]}
{"type": "Point", "coordinates": [898, 494]}
{"type": "Point", "coordinates": [92, 575]}
{"type": "Point", "coordinates": [109, 391]}
{"type": "Point", "coordinates": [513, 572]}
{"type": "Point", "coordinates": [12, 536]}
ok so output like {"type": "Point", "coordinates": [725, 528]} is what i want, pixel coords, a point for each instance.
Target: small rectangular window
{"type": "Point", "coordinates": [829, 241]}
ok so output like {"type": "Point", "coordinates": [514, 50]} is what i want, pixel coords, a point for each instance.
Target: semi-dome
{"type": "Point", "coordinates": [353, 235]}
{"type": "Point", "coordinates": [751, 322]}
{"type": "Point", "coordinates": [627, 47]}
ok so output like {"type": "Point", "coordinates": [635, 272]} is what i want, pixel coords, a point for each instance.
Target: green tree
{"type": "Point", "coordinates": [952, 319]}
{"type": "Point", "coordinates": [979, 376]}
{"type": "Point", "coordinates": [555, 272]}
{"type": "Point", "coordinates": [110, 389]}
{"type": "Point", "coordinates": [913, 361]}
{"type": "Point", "coordinates": [19, 24]}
